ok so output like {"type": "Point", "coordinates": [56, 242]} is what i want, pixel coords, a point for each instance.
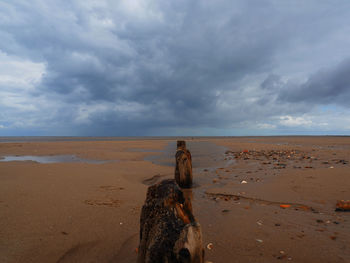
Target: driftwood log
{"type": "Point", "coordinates": [168, 230]}
{"type": "Point", "coordinates": [183, 169]}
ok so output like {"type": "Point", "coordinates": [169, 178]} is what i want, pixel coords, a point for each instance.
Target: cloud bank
{"type": "Point", "coordinates": [174, 68]}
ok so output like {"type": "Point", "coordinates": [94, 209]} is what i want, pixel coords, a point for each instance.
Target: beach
{"type": "Point", "coordinates": [258, 199]}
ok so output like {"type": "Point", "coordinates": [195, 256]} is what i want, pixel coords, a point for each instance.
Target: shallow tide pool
{"type": "Point", "coordinates": [49, 159]}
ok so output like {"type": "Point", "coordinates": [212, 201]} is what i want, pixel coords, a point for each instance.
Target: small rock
{"type": "Point", "coordinates": [244, 182]}
{"type": "Point", "coordinates": [259, 240]}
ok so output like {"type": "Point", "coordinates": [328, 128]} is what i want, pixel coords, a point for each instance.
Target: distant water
{"type": "Point", "coordinates": [73, 138]}
{"type": "Point", "coordinates": [105, 138]}
{"type": "Point", "coordinates": [99, 138]}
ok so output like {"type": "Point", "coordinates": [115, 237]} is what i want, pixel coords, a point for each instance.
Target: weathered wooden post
{"type": "Point", "coordinates": [168, 230]}
{"type": "Point", "coordinates": [183, 169]}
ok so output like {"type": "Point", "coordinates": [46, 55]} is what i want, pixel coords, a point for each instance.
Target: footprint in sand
{"type": "Point", "coordinates": [154, 179]}
{"type": "Point", "coordinates": [128, 250]}
{"type": "Point", "coordinates": [111, 188]}
{"type": "Point", "coordinates": [108, 202]}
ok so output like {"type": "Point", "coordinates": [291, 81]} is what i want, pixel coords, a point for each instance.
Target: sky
{"type": "Point", "coordinates": [172, 68]}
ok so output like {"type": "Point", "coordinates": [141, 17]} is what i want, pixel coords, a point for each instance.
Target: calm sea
{"type": "Point", "coordinates": [72, 138]}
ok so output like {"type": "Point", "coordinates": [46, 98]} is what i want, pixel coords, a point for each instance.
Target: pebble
{"type": "Point", "coordinates": [244, 182]}
{"type": "Point", "coordinates": [210, 246]}
{"type": "Point", "coordinates": [259, 240]}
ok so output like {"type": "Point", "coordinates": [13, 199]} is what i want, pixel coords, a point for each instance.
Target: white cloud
{"type": "Point", "coordinates": [266, 126]}
{"type": "Point", "coordinates": [18, 72]}
{"type": "Point", "coordinates": [294, 121]}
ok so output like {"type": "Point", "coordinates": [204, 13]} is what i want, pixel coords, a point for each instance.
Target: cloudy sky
{"type": "Point", "coordinates": [151, 67]}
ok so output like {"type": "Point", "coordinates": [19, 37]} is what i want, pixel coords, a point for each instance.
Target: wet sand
{"type": "Point", "coordinates": [89, 212]}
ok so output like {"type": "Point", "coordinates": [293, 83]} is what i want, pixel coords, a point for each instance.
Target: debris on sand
{"type": "Point", "coordinates": [284, 206]}
{"type": "Point", "coordinates": [281, 158]}
{"type": "Point", "coordinates": [343, 206]}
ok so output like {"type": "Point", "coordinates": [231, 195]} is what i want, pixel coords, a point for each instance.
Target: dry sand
{"type": "Point", "coordinates": [88, 212]}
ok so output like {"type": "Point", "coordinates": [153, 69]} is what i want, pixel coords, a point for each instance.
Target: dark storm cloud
{"type": "Point", "coordinates": [134, 67]}
{"type": "Point", "coordinates": [327, 86]}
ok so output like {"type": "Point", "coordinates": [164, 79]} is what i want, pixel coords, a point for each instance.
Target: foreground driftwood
{"type": "Point", "coordinates": [168, 230]}
{"type": "Point", "coordinates": [183, 169]}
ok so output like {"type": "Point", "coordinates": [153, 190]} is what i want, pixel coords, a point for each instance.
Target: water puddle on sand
{"type": "Point", "coordinates": [207, 157]}
{"type": "Point", "coordinates": [204, 155]}
{"type": "Point", "coordinates": [50, 159]}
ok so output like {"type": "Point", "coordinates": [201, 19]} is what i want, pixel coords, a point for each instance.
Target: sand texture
{"type": "Point", "coordinates": [258, 199]}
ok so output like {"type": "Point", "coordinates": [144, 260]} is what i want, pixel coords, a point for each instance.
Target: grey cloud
{"type": "Point", "coordinates": [178, 64]}
{"type": "Point", "coordinates": [328, 86]}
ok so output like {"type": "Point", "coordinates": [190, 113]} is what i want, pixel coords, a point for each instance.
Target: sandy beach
{"type": "Point", "coordinates": [258, 199]}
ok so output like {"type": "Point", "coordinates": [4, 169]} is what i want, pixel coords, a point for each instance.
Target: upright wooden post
{"type": "Point", "coordinates": [183, 169]}
{"type": "Point", "coordinates": [168, 230]}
